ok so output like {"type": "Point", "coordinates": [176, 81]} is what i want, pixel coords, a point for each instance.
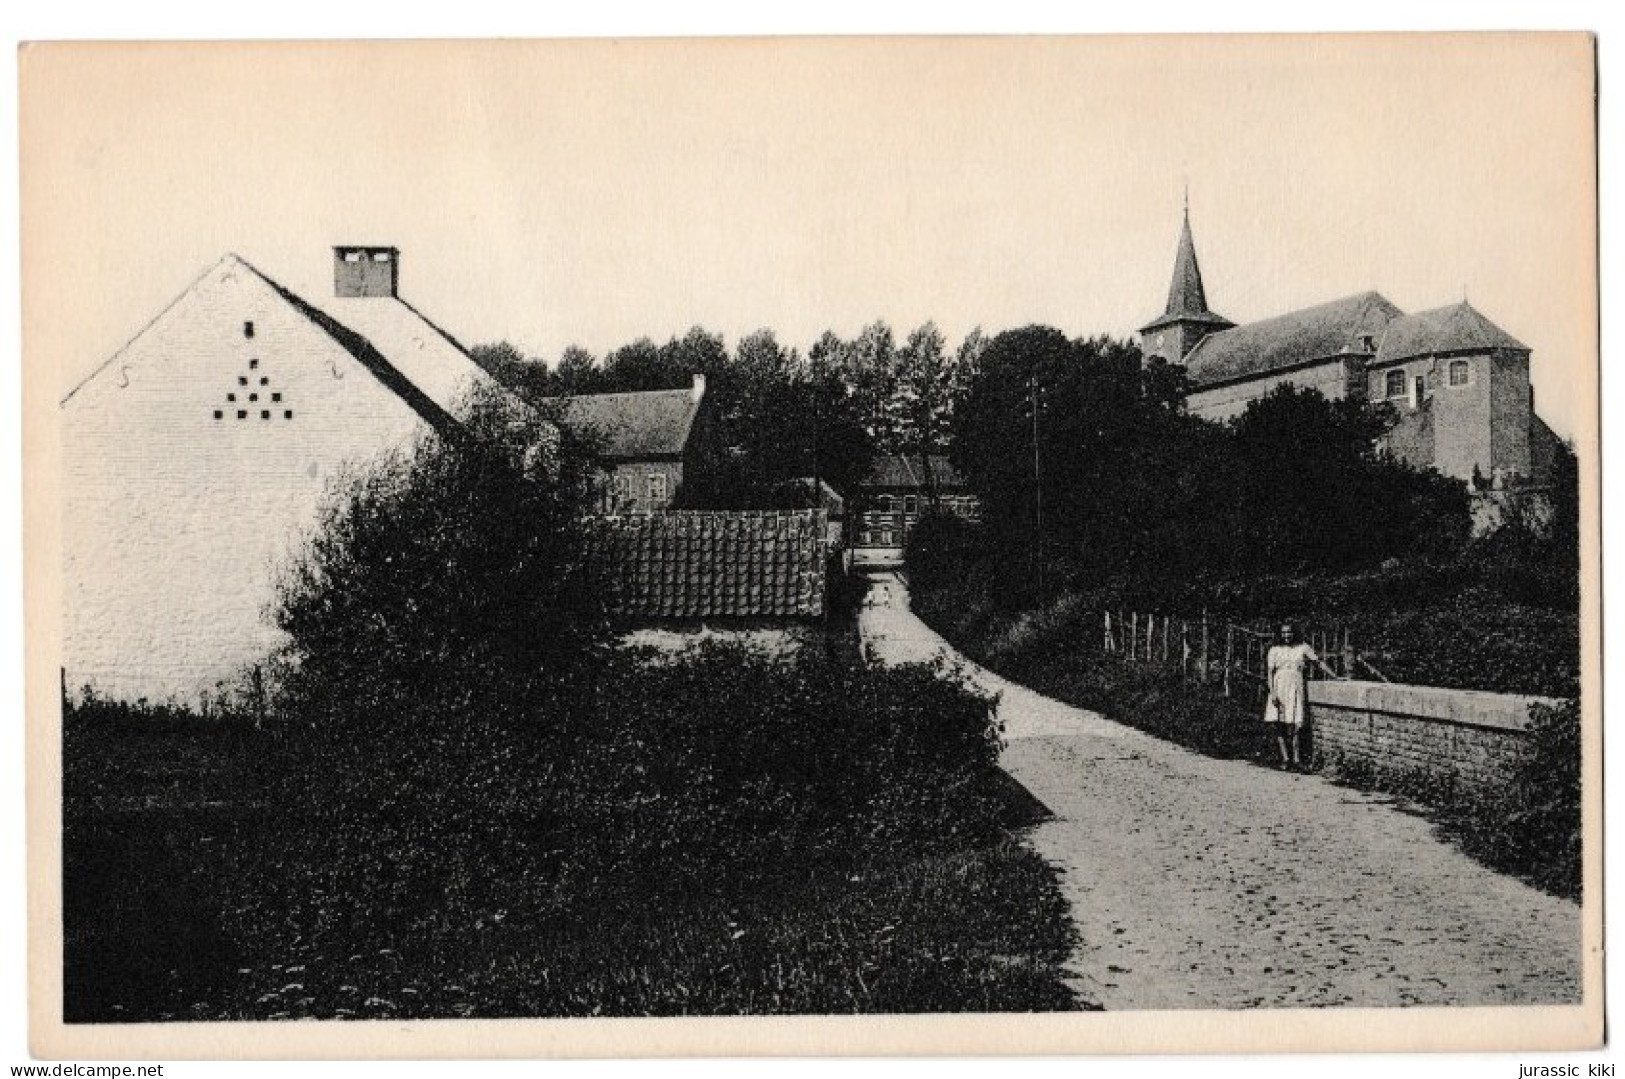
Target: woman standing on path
{"type": "Point", "coordinates": [1288, 706]}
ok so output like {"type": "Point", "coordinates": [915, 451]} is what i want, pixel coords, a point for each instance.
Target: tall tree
{"type": "Point", "coordinates": [922, 400]}
{"type": "Point", "coordinates": [577, 372]}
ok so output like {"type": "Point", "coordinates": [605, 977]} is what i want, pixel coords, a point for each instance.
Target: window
{"type": "Point", "coordinates": [252, 363]}
{"type": "Point", "coordinates": [248, 331]}
{"type": "Point", "coordinates": [253, 397]}
{"type": "Point", "coordinates": [887, 504]}
{"type": "Point", "coordinates": [623, 488]}
{"type": "Point", "coordinates": [380, 256]}
{"type": "Point", "coordinates": [218, 414]}
{"type": "Point", "coordinates": [242, 380]}
{"type": "Point", "coordinates": [657, 489]}
{"type": "Point", "coordinates": [1394, 384]}
{"type": "Point", "coordinates": [242, 413]}
{"type": "Point", "coordinates": [231, 397]}
{"type": "Point", "coordinates": [352, 256]}
{"type": "Point", "coordinates": [265, 413]}
{"type": "Point", "coordinates": [288, 414]}
{"type": "Point", "coordinates": [1460, 372]}
{"type": "Point", "coordinates": [911, 504]}
{"type": "Point", "coordinates": [276, 397]}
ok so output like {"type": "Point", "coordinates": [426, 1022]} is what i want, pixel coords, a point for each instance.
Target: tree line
{"type": "Point", "coordinates": [1089, 467]}
{"type": "Point", "coordinates": [780, 414]}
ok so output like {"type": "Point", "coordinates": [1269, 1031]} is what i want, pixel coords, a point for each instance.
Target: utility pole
{"type": "Point", "coordinates": [1038, 489]}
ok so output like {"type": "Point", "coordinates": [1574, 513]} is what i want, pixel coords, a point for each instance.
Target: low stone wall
{"type": "Point", "coordinates": [1454, 735]}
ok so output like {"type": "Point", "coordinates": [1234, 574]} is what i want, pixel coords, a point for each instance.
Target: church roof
{"type": "Point", "coordinates": [1456, 328]}
{"type": "Point", "coordinates": [643, 424]}
{"type": "Point", "coordinates": [1187, 300]}
{"type": "Point", "coordinates": [1314, 333]}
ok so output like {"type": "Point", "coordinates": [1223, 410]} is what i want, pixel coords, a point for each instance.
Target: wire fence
{"type": "Point", "coordinates": [1219, 653]}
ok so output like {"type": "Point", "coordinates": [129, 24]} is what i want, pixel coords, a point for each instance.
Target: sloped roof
{"type": "Point", "coordinates": [1456, 328]}
{"type": "Point", "coordinates": [1313, 333]}
{"type": "Point", "coordinates": [710, 564]}
{"type": "Point", "coordinates": [420, 350]}
{"type": "Point", "coordinates": [905, 471]}
{"type": "Point", "coordinates": [648, 423]}
{"type": "Point", "coordinates": [1187, 300]}
{"type": "Point", "coordinates": [411, 356]}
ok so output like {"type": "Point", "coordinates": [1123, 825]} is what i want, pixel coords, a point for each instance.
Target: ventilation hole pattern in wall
{"type": "Point", "coordinates": [263, 383]}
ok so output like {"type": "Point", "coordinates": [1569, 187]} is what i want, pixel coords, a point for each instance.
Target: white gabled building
{"type": "Point", "coordinates": [198, 456]}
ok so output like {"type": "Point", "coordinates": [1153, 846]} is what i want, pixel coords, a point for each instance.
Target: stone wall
{"type": "Point", "coordinates": [1334, 378]}
{"type": "Point", "coordinates": [1456, 735]}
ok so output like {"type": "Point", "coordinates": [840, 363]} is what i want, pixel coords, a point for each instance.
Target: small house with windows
{"type": "Point", "coordinates": [1459, 383]}
{"type": "Point", "coordinates": [898, 491]}
{"type": "Point", "coordinates": [199, 456]}
{"type": "Point", "coordinates": [648, 442]}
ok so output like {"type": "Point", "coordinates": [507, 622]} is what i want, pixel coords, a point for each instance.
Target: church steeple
{"type": "Point", "coordinates": [1186, 319]}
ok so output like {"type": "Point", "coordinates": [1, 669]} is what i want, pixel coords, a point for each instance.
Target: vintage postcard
{"type": "Point", "coordinates": [812, 546]}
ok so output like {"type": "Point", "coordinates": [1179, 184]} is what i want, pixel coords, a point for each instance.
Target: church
{"type": "Point", "coordinates": [199, 456]}
{"type": "Point", "coordinates": [1459, 383]}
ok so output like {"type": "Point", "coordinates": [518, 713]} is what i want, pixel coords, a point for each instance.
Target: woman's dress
{"type": "Point", "coordinates": [1289, 695]}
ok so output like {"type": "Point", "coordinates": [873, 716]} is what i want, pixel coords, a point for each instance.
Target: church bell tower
{"type": "Point", "coordinates": [1187, 320]}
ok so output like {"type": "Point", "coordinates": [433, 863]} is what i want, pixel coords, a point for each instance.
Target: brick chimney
{"type": "Point", "coordinates": [365, 271]}
{"type": "Point", "coordinates": [698, 389]}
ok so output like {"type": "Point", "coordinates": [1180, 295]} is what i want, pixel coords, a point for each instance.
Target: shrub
{"type": "Point", "coordinates": [1530, 825]}
{"type": "Point", "coordinates": [452, 573]}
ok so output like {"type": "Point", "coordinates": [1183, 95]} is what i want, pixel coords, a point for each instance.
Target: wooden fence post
{"type": "Point", "coordinates": [1348, 653]}
{"type": "Point", "coordinates": [1229, 655]}
{"type": "Point", "coordinates": [1206, 659]}
{"type": "Point", "coordinates": [1184, 650]}
{"type": "Point", "coordinates": [1134, 635]}
{"type": "Point", "coordinates": [1165, 621]}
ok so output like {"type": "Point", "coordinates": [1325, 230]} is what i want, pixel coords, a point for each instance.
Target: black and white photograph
{"type": "Point", "coordinates": [970, 544]}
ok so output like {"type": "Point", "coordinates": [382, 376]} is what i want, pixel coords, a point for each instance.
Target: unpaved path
{"type": "Point", "coordinates": [1201, 883]}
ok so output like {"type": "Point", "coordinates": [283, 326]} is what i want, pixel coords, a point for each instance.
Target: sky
{"type": "Point", "coordinates": [556, 193]}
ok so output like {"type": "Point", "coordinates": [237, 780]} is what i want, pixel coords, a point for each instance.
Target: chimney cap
{"type": "Point", "coordinates": [365, 270]}
{"type": "Point", "coordinates": [366, 249]}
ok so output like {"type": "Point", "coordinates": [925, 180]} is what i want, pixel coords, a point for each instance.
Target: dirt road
{"type": "Point", "coordinates": [1201, 883]}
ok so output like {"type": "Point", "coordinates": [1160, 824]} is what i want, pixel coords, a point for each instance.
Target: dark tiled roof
{"type": "Point", "coordinates": [1457, 328]}
{"type": "Point", "coordinates": [906, 471]}
{"type": "Point", "coordinates": [1187, 300]}
{"type": "Point", "coordinates": [1313, 333]}
{"type": "Point", "coordinates": [649, 423]}
{"type": "Point", "coordinates": [711, 564]}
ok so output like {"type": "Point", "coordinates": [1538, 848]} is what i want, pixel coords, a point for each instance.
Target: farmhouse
{"type": "Point", "coordinates": [649, 442]}
{"type": "Point", "coordinates": [197, 457]}
{"type": "Point", "coordinates": [894, 495]}
{"type": "Point", "coordinates": [1459, 382]}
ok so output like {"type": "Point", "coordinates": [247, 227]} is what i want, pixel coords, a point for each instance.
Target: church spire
{"type": "Point", "coordinates": [1186, 319]}
{"type": "Point", "coordinates": [1185, 294]}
